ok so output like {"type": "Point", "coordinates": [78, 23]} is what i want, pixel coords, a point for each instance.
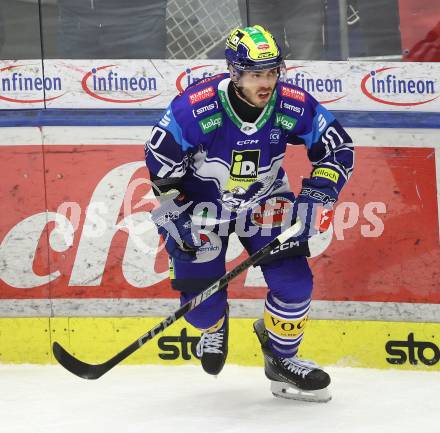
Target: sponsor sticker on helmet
{"type": "Point", "coordinates": [263, 46]}
{"type": "Point", "coordinates": [234, 39]}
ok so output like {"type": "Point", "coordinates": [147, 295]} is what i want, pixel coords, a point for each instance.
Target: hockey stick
{"type": "Point", "coordinates": [95, 371]}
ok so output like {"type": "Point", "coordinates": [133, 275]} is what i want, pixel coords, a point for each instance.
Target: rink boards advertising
{"type": "Point", "coordinates": [152, 84]}
{"type": "Point", "coordinates": [77, 239]}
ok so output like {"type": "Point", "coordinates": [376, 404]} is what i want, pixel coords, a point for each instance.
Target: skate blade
{"type": "Point", "coordinates": [290, 392]}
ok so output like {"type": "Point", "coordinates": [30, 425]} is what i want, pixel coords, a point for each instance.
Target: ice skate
{"type": "Point", "coordinates": [212, 348]}
{"type": "Point", "coordinates": [292, 378]}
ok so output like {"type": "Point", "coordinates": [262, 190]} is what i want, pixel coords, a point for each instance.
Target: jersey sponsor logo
{"type": "Point", "coordinates": [294, 108]}
{"type": "Point", "coordinates": [398, 90]}
{"type": "Point", "coordinates": [210, 248]}
{"type": "Point", "coordinates": [284, 328]}
{"type": "Point", "coordinates": [205, 93]}
{"type": "Point", "coordinates": [296, 94]}
{"type": "Point", "coordinates": [286, 122]}
{"type": "Point", "coordinates": [243, 171]}
{"type": "Point", "coordinates": [413, 351]}
{"type": "Point", "coordinates": [244, 142]}
{"type": "Point", "coordinates": [272, 213]}
{"type": "Point", "coordinates": [245, 164]}
{"type": "Point", "coordinates": [210, 123]}
{"type": "Point", "coordinates": [326, 173]}
{"type": "Point", "coordinates": [204, 109]}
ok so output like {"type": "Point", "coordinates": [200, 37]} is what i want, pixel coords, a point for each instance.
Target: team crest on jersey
{"type": "Point", "coordinates": [274, 136]}
{"type": "Point", "coordinates": [293, 93]}
{"type": "Point", "coordinates": [205, 93]}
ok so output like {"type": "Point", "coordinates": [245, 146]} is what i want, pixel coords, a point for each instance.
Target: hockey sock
{"type": "Point", "coordinates": [285, 324]}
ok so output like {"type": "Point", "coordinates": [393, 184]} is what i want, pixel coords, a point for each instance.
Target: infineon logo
{"type": "Point", "coordinates": [194, 75]}
{"type": "Point", "coordinates": [119, 87]}
{"type": "Point", "coordinates": [16, 80]}
{"type": "Point", "coordinates": [324, 89]}
{"type": "Point", "coordinates": [393, 89]}
{"type": "Point", "coordinates": [211, 123]}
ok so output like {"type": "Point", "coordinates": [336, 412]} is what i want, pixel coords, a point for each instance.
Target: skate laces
{"type": "Point", "coordinates": [299, 366]}
{"type": "Point", "coordinates": [210, 343]}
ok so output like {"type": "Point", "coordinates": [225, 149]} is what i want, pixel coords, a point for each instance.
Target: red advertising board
{"type": "Point", "coordinates": [385, 244]}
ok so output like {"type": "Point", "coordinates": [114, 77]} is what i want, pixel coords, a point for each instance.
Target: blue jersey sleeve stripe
{"type": "Point", "coordinates": [175, 129]}
{"type": "Point", "coordinates": [321, 120]}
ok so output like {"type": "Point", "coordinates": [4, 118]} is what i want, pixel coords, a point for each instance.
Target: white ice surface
{"type": "Point", "coordinates": [158, 399]}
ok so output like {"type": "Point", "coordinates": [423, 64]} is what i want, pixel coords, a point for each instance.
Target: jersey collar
{"type": "Point", "coordinates": [245, 127]}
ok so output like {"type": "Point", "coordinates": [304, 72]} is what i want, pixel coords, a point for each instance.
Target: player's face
{"type": "Point", "coordinates": [258, 86]}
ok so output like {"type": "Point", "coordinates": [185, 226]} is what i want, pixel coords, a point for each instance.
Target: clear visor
{"type": "Point", "coordinates": [258, 76]}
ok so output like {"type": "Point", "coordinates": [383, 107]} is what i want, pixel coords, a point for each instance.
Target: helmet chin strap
{"type": "Point", "coordinates": [240, 94]}
{"type": "Point", "coordinates": [235, 77]}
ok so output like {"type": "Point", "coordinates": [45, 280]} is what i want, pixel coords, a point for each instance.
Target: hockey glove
{"type": "Point", "coordinates": [314, 207]}
{"type": "Point", "coordinates": [173, 223]}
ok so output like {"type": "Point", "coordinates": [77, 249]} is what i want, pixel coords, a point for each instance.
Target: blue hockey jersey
{"type": "Point", "coordinates": [203, 145]}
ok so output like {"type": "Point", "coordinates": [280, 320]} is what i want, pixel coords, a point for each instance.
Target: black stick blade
{"type": "Point", "coordinates": [75, 366]}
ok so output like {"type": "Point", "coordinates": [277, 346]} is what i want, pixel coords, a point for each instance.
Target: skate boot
{"type": "Point", "coordinates": [212, 348]}
{"type": "Point", "coordinates": [292, 378]}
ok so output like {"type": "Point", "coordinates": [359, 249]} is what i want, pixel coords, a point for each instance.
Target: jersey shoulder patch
{"type": "Point", "coordinates": [290, 106]}
{"type": "Point", "coordinates": [294, 93]}
{"type": "Point", "coordinates": [199, 105]}
{"type": "Point", "coordinates": [296, 103]}
{"type": "Point", "coordinates": [201, 92]}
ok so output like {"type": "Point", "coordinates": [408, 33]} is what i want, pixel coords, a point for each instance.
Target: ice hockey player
{"type": "Point", "coordinates": [215, 162]}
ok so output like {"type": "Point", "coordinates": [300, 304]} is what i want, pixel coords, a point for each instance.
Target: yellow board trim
{"type": "Point", "coordinates": [328, 342]}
